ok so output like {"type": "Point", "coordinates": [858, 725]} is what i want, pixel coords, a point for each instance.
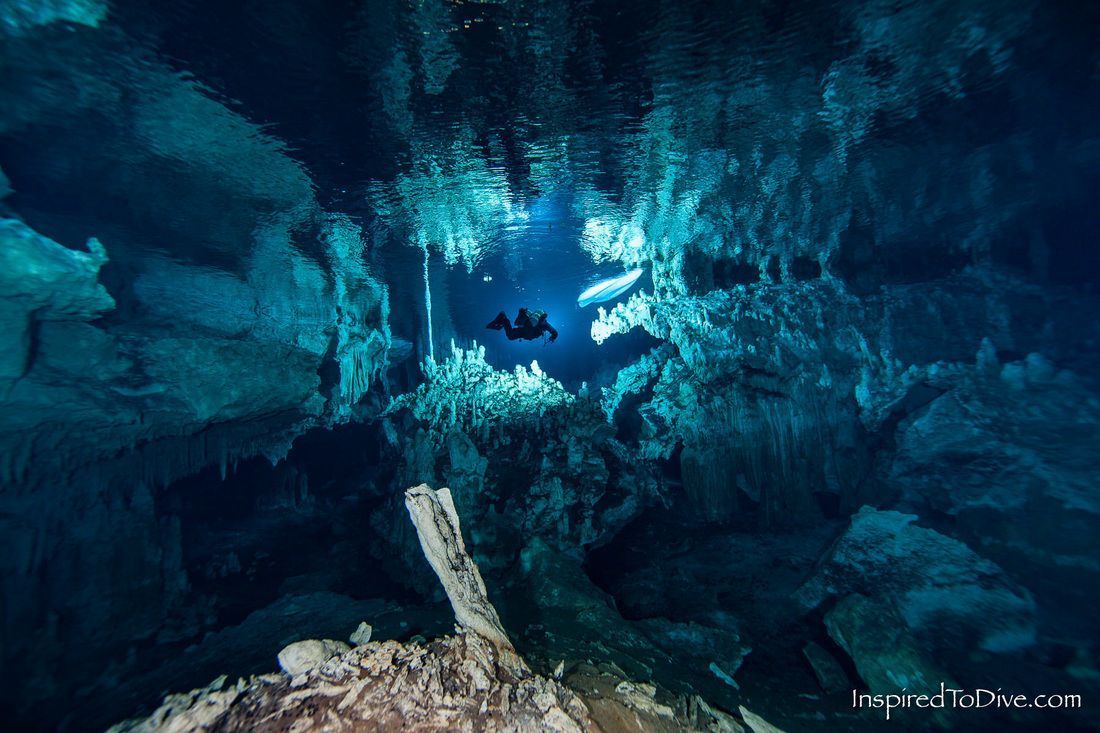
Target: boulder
{"type": "Point", "coordinates": [949, 597]}
{"type": "Point", "coordinates": [886, 656]}
{"type": "Point", "coordinates": [302, 656]}
{"type": "Point", "coordinates": [1015, 471]}
{"type": "Point", "coordinates": [830, 675]}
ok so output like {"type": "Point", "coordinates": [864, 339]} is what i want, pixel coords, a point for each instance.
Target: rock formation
{"type": "Point", "coordinates": [473, 680]}
{"type": "Point", "coordinates": [943, 590]}
{"type": "Point", "coordinates": [433, 514]}
{"type": "Point", "coordinates": [132, 359]}
{"type": "Point", "coordinates": [480, 423]}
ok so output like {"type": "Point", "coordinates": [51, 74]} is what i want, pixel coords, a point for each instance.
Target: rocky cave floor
{"type": "Point", "coordinates": [474, 680]}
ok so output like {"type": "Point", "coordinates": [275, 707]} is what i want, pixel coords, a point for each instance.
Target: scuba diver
{"type": "Point", "coordinates": [529, 325]}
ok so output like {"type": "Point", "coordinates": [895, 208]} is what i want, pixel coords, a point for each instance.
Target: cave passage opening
{"type": "Point", "coordinates": [540, 264]}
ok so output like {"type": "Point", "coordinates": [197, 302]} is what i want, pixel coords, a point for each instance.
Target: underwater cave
{"type": "Point", "coordinates": [549, 365]}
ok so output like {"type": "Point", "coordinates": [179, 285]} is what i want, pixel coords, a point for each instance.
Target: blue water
{"type": "Point", "coordinates": [543, 267]}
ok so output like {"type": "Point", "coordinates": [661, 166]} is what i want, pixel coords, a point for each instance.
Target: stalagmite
{"type": "Point", "coordinates": [453, 387]}
{"type": "Point", "coordinates": [433, 513]}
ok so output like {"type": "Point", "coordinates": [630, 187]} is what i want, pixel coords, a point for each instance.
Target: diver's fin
{"type": "Point", "coordinates": [497, 323]}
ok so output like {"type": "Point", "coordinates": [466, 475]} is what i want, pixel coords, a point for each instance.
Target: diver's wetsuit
{"type": "Point", "coordinates": [524, 327]}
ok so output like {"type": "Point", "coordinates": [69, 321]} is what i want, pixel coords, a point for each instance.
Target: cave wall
{"type": "Point", "coordinates": [173, 298]}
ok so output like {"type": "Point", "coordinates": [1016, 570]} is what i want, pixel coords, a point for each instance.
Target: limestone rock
{"type": "Point", "coordinates": [361, 635]}
{"type": "Point", "coordinates": [451, 684]}
{"type": "Point", "coordinates": [1015, 470]}
{"type": "Point", "coordinates": [830, 675]}
{"type": "Point", "coordinates": [201, 708]}
{"type": "Point", "coordinates": [886, 655]}
{"type": "Point", "coordinates": [719, 722]}
{"type": "Point", "coordinates": [470, 424]}
{"type": "Point", "coordinates": [384, 686]}
{"type": "Point", "coordinates": [433, 514]}
{"type": "Point", "coordinates": [41, 280]}
{"type": "Point", "coordinates": [20, 16]}
{"type": "Point", "coordinates": [465, 392]}
{"type": "Point", "coordinates": [756, 723]}
{"type": "Point", "coordinates": [225, 314]}
{"type": "Point", "coordinates": [302, 656]}
{"type": "Point", "coordinates": [947, 595]}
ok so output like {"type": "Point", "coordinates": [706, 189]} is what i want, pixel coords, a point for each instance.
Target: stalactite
{"type": "Point", "coordinates": [428, 303]}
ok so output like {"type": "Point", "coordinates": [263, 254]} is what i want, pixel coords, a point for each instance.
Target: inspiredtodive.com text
{"type": "Point", "coordinates": [951, 698]}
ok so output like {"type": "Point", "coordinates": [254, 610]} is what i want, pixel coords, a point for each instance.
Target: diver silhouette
{"type": "Point", "coordinates": [529, 325]}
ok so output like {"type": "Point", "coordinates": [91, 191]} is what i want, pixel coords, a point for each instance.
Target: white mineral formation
{"type": "Point", "coordinates": [433, 513]}
{"type": "Point", "coordinates": [362, 634]}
